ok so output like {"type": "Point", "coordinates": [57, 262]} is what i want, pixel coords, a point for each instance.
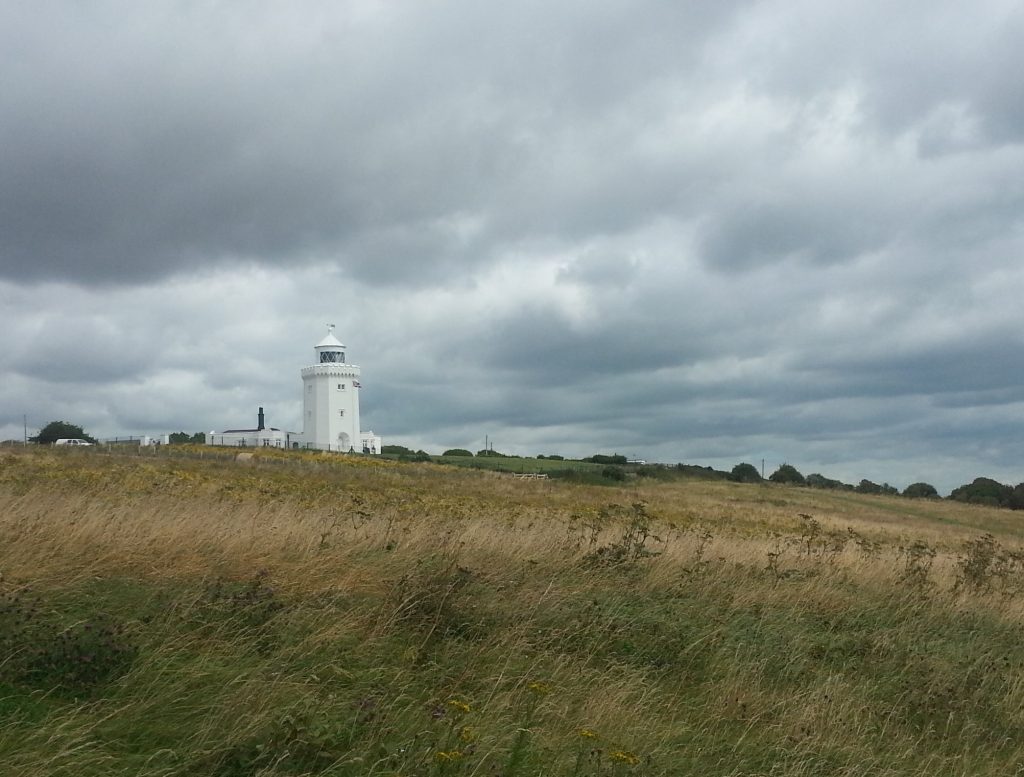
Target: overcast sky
{"type": "Point", "coordinates": [708, 232]}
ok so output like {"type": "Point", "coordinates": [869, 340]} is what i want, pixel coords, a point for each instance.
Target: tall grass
{"type": "Point", "coordinates": [324, 615]}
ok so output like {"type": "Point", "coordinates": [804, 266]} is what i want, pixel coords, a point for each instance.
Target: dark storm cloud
{"type": "Point", "coordinates": [735, 230]}
{"type": "Point", "coordinates": [139, 143]}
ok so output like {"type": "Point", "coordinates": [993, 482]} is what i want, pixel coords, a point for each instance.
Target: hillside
{"type": "Point", "coordinates": [297, 614]}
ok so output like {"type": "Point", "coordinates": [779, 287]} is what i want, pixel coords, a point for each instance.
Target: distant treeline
{"type": "Point", "coordinates": [981, 491]}
{"type": "Point", "coordinates": [990, 492]}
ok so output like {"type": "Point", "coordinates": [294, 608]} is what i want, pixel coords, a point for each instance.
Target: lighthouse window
{"type": "Point", "coordinates": [341, 413]}
{"type": "Point", "coordinates": [331, 356]}
{"type": "Point", "coordinates": [341, 387]}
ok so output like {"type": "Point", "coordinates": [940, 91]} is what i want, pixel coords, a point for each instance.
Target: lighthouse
{"type": "Point", "coordinates": [330, 391]}
{"type": "Point", "coordinates": [330, 409]}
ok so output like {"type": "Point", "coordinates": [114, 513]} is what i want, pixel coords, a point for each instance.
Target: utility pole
{"type": "Point", "coordinates": [762, 469]}
{"type": "Point", "coordinates": [24, 420]}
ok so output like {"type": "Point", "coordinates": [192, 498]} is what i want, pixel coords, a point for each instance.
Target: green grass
{"type": "Point", "coordinates": [359, 618]}
{"type": "Point", "coordinates": [518, 465]}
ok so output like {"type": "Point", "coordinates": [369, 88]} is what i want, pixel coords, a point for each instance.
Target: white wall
{"type": "Point", "coordinates": [331, 407]}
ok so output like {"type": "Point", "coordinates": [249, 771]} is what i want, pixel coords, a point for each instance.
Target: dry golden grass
{"type": "Point", "coordinates": [720, 628]}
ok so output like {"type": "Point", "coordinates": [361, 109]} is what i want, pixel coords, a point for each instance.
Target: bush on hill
{"type": "Point", "coordinates": [59, 430]}
{"type": "Point", "coordinates": [745, 473]}
{"type": "Point", "coordinates": [984, 490]}
{"type": "Point", "coordinates": [497, 454]}
{"type": "Point", "coordinates": [867, 487]}
{"type": "Point", "coordinates": [817, 480]}
{"type": "Point", "coordinates": [457, 452]}
{"type": "Point", "coordinates": [920, 491]}
{"type": "Point", "coordinates": [183, 438]}
{"type": "Point", "coordinates": [787, 473]}
{"type": "Point", "coordinates": [396, 450]}
{"type": "Point", "coordinates": [419, 455]}
{"type": "Point", "coordinates": [656, 472]}
{"type": "Point", "coordinates": [702, 473]}
{"type": "Point", "coordinates": [600, 458]}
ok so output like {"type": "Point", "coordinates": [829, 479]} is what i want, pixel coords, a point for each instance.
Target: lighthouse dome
{"type": "Point", "coordinates": [330, 350]}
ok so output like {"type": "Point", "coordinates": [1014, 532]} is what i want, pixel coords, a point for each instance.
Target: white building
{"type": "Point", "coordinates": [260, 437]}
{"type": "Point", "coordinates": [330, 409]}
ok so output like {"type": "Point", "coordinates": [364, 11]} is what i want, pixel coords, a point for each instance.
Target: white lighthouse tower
{"type": "Point", "coordinates": [330, 389]}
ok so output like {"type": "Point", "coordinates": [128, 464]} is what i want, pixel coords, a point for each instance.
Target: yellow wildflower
{"type": "Point", "coordinates": [624, 757]}
{"type": "Point", "coordinates": [587, 733]}
{"type": "Point", "coordinates": [442, 756]}
{"type": "Point", "coordinates": [459, 706]}
{"type": "Point", "coordinates": [541, 689]}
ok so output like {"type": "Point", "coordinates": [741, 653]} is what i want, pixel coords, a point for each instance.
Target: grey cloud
{"type": "Point", "coordinates": [158, 141]}
{"type": "Point", "coordinates": [801, 230]}
{"type": "Point", "coordinates": [902, 61]}
{"type": "Point", "coordinates": [734, 230]}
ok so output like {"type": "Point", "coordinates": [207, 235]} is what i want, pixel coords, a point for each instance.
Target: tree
{"type": "Point", "coordinates": [182, 438]}
{"type": "Point", "coordinates": [745, 473]}
{"type": "Point", "coordinates": [787, 473]}
{"type": "Point", "coordinates": [600, 458]}
{"type": "Point", "coordinates": [60, 430]}
{"type": "Point", "coordinates": [867, 487]}
{"type": "Point", "coordinates": [817, 480]}
{"type": "Point", "coordinates": [1016, 501]}
{"type": "Point", "coordinates": [397, 450]}
{"type": "Point", "coordinates": [457, 452]}
{"type": "Point", "coordinates": [983, 491]}
{"type": "Point", "coordinates": [920, 491]}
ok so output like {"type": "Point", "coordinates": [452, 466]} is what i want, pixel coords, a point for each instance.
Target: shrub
{"type": "Point", "coordinates": [787, 473]}
{"type": "Point", "coordinates": [613, 473]}
{"type": "Point", "coordinates": [457, 452]}
{"type": "Point", "coordinates": [816, 480]}
{"type": "Point", "coordinates": [184, 438]}
{"type": "Point", "coordinates": [656, 472]}
{"type": "Point", "coordinates": [983, 491]}
{"type": "Point", "coordinates": [920, 491]}
{"type": "Point", "coordinates": [1016, 501]}
{"type": "Point", "coordinates": [600, 458]}
{"type": "Point", "coordinates": [56, 430]}
{"type": "Point", "coordinates": [745, 473]}
{"type": "Point", "coordinates": [637, 530]}
{"type": "Point", "coordinates": [701, 473]}
{"type": "Point", "coordinates": [867, 487]}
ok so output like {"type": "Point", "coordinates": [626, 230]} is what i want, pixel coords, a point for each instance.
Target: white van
{"type": "Point", "coordinates": [72, 441]}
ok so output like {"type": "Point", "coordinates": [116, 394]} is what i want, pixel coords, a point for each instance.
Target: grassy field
{"type": "Point", "coordinates": [303, 614]}
{"type": "Point", "coordinates": [517, 464]}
